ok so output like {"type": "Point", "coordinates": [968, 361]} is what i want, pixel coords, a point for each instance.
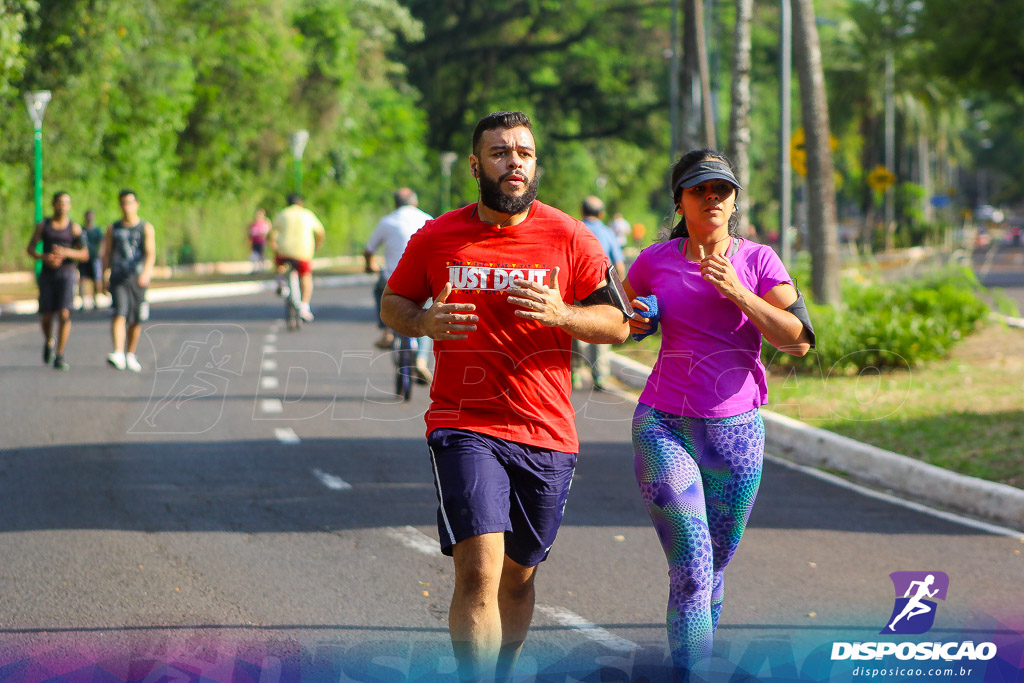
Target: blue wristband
{"type": "Point", "coordinates": [652, 314]}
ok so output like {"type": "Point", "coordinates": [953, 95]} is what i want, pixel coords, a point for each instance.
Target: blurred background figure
{"type": "Point", "coordinates": [621, 227]}
{"type": "Point", "coordinates": [258, 231]}
{"type": "Point", "coordinates": [91, 270]}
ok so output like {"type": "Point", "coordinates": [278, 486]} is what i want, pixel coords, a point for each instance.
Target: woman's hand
{"type": "Point", "coordinates": [638, 325]}
{"type": "Point", "coordinates": [718, 270]}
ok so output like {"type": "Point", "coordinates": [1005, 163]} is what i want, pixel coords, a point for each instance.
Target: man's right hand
{"type": "Point", "coordinates": [444, 321]}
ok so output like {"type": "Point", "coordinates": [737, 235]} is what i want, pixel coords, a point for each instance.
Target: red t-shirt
{"type": "Point", "coordinates": [510, 378]}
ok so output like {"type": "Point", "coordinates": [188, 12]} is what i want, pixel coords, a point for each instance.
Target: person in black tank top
{"type": "Point", "coordinates": [63, 247]}
{"type": "Point", "coordinates": [130, 255]}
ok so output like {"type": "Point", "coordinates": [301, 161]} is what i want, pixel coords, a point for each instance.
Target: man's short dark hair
{"type": "Point", "coordinates": [58, 195]}
{"type": "Point", "coordinates": [592, 207]}
{"type": "Point", "coordinates": [405, 196]}
{"type": "Point", "coordinates": [499, 119]}
{"type": "Point", "coordinates": [125, 192]}
{"type": "Point", "coordinates": [294, 198]}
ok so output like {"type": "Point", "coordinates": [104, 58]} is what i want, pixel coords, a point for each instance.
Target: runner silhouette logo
{"type": "Point", "coordinates": [913, 611]}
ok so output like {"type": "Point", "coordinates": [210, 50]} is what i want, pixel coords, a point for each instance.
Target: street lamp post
{"type": "Point", "coordinates": [299, 140]}
{"type": "Point", "coordinates": [447, 161]}
{"type": "Point", "coordinates": [37, 102]}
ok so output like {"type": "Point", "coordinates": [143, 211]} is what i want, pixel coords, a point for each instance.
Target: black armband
{"type": "Point", "coordinates": [799, 309]}
{"type": "Point", "coordinates": [611, 294]}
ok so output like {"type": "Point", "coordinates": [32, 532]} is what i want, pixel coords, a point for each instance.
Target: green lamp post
{"type": "Point", "coordinates": [37, 102]}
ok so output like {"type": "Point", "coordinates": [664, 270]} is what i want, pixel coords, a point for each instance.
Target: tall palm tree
{"type": "Point", "coordinates": [821, 193]}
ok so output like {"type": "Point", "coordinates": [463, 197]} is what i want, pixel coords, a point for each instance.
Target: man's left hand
{"type": "Point", "coordinates": [542, 303]}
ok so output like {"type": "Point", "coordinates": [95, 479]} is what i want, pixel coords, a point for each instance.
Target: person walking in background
{"type": "Point", "coordinates": [129, 255]}
{"type": "Point", "coordinates": [698, 437]}
{"type": "Point", "coordinates": [503, 273]}
{"type": "Point", "coordinates": [63, 245]}
{"type": "Point", "coordinates": [92, 268]}
{"type": "Point", "coordinates": [621, 227]}
{"type": "Point", "coordinates": [295, 236]}
{"type": "Point", "coordinates": [258, 231]}
{"type": "Point", "coordinates": [595, 355]}
{"type": "Point", "coordinates": [393, 233]}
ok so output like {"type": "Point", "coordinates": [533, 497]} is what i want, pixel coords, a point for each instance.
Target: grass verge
{"type": "Point", "coordinates": [963, 413]}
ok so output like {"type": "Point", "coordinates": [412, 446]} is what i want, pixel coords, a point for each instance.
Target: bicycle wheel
{"type": "Point", "coordinates": [293, 301]}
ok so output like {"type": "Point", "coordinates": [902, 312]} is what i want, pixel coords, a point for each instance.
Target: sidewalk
{"type": "Point", "coordinates": [875, 467]}
{"type": "Point", "coordinates": [238, 280]}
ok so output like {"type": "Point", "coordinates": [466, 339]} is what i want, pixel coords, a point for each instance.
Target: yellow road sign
{"type": "Point", "coordinates": [880, 178]}
{"type": "Point", "coordinates": [798, 150]}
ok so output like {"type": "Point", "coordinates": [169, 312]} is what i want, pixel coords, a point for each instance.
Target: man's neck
{"type": "Point", "coordinates": [132, 219]}
{"type": "Point", "coordinates": [502, 220]}
{"type": "Point", "coordinates": [59, 219]}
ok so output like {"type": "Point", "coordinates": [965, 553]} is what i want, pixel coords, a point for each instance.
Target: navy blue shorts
{"type": "Point", "coordinates": [56, 290]}
{"type": "Point", "coordinates": [486, 485]}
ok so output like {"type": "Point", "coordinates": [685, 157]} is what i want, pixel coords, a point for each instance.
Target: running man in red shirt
{"type": "Point", "coordinates": [505, 274]}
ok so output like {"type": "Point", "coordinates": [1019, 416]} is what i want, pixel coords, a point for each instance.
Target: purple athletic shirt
{"type": "Point", "coordinates": [709, 364]}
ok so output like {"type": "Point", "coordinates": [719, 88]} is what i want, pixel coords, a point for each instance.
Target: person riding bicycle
{"type": "Point", "coordinates": [393, 233]}
{"type": "Point", "coordinates": [297, 233]}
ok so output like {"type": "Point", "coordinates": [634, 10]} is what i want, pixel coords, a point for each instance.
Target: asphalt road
{"type": "Point", "coordinates": [257, 501]}
{"type": "Point", "coordinates": [1002, 266]}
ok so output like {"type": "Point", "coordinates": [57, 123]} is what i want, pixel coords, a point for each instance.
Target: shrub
{"type": "Point", "coordinates": [889, 324]}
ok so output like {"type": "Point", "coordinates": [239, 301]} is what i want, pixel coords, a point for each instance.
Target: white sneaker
{"type": "Point", "coordinates": [117, 359]}
{"type": "Point", "coordinates": [132, 363]}
{"type": "Point", "coordinates": [305, 313]}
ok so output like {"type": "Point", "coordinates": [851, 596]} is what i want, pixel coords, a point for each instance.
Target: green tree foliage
{"type": "Point", "coordinates": [192, 103]}
{"type": "Point", "coordinates": [590, 74]}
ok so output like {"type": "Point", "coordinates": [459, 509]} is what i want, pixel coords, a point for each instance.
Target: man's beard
{"type": "Point", "coordinates": [494, 199]}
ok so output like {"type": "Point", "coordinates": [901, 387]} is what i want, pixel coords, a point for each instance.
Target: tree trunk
{"type": "Point", "coordinates": [739, 114]}
{"type": "Point", "coordinates": [821, 194]}
{"type": "Point", "coordinates": [696, 81]}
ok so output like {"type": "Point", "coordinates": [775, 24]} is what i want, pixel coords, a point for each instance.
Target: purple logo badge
{"type": "Point", "coordinates": [914, 608]}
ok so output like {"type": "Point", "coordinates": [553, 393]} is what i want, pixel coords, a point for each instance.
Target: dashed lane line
{"type": "Point", "coordinates": [586, 629]}
{"type": "Point", "coordinates": [271, 405]}
{"type": "Point", "coordinates": [331, 481]}
{"type": "Point", "coordinates": [411, 537]}
{"type": "Point", "coordinates": [286, 435]}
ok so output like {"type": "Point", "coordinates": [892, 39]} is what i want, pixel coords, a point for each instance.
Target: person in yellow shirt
{"type": "Point", "coordinates": [296, 235]}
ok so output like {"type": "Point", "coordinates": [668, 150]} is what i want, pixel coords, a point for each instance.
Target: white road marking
{"type": "Point", "coordinates": [286, 435]}
{"type": "Point", "coordinates": [587, 630]}
{"type": "Point", "coordinates": [411, 537]}
{"type": "Point", "coordinates": [269, 348]}
{"type": "Point", "coordinates": [332, 482]}
{"type": "Point", "coordinates": [270, 338]}
{"type": "Point", "coordinates": [270, 365]}
{"type": "Point", "coordinates": [271, 405]}
{"type": "Point", "coordinates": [268, 382]}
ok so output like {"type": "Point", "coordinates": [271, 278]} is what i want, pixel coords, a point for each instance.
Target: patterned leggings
{"type": "Point", "coordinates": [698, 478]}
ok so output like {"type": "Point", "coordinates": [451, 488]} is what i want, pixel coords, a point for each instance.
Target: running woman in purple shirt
{"type": "Point", "coordinates": [698, 437]}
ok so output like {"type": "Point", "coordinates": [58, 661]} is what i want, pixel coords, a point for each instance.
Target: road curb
{"type": "Point", "coordinates": [195, 292]}
{"type": "Point", "coordinates": [877, 467]}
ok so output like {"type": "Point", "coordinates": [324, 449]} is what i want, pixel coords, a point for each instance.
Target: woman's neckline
{"type": "Point", "coordinates": [734, 244]}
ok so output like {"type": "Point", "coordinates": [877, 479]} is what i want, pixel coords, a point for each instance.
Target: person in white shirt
{"type": "Point", "coordinates": [393, 233]}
